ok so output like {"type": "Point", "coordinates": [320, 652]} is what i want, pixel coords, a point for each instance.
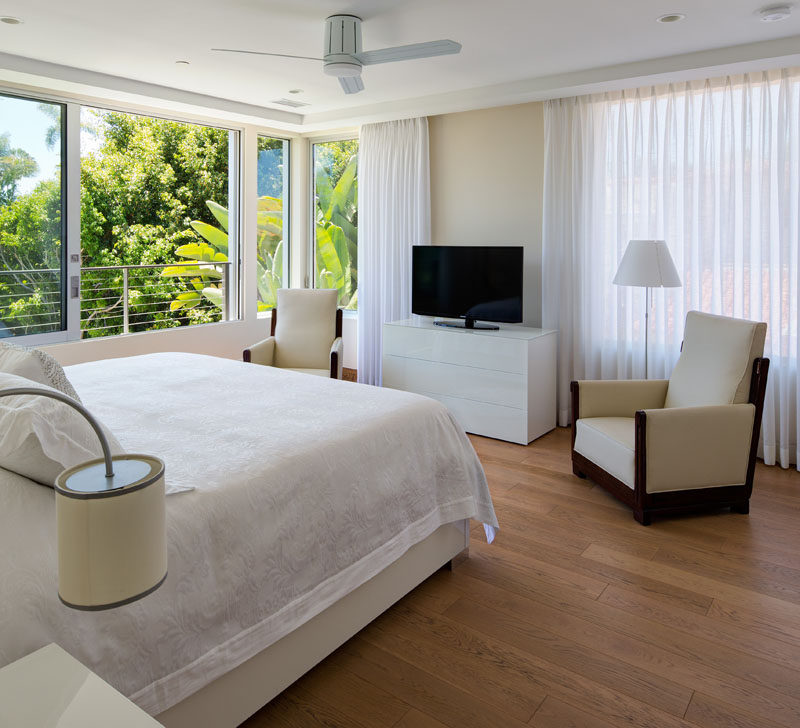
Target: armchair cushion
{"type": "Point", "coordinates": [315, 372]}
{"type": "Point", "coordinates": [608, 442]}
{"type": "Point", "coordinates": [697, 447]}
{"type": "Point", "coordinates": [306, 327]}
{"type": "Point", "coordinates": [716, 361]}
{"type": "Point", "coordinates": [610, 398]}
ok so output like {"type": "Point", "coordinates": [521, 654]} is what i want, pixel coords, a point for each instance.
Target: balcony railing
{"type": "Point", "coordinates": [117, 299]}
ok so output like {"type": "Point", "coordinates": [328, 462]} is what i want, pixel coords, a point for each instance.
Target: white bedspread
{"type": "Point", "coordinates": [305, 489]}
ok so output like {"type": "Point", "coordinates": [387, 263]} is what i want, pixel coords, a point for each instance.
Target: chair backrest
{"type": "Point", "coordinates": [305, 327]}
{"type": "Point", "coordinates": [716, 361]}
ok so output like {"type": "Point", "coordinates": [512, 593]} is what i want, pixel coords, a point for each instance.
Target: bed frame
{"type": "Point", "coordinates": [232, 698]}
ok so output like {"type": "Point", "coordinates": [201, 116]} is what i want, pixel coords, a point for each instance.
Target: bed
{"type": "Point", "coordinates": [300, 508]}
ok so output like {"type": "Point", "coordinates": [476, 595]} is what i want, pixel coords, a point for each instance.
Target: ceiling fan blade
{"type": "Point", "coordinates": [261, 53]}
{"type": "Point", "coordinates": [409, 52]}
{"type": "Point", "coordinates": [351, 84]}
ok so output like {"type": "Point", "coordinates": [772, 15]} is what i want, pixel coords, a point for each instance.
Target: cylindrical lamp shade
{"type": "Point", "coordinates": [112, 543]}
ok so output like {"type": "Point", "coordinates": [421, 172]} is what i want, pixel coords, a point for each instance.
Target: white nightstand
{"type": "Point", "coordinates": [50, 689]}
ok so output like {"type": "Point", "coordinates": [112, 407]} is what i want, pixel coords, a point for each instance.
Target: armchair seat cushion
{"type": "Point", "coordinates": [315, 372]}
{"type": "Point", "coordinates": [610, 443]}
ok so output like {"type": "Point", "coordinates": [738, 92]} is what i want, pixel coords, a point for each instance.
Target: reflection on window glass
{"type": "Point", "coordinates": [31, 275]}
{"type": "Point", "coordinates": [155, 229]}
{"type": "Point", "coordinates": [336, 218]}
{"type": "Point", "coordinates": [272, 241]}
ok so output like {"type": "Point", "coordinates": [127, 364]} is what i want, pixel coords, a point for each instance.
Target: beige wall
{"type": "Point", "coordinates": [487, 169]}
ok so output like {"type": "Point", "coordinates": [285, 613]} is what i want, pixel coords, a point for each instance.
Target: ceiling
{"type": "Point", "coordinates": [504, 42]}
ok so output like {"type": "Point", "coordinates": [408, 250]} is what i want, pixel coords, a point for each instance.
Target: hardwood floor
{"type": "Point", "coordinates": [577, 616]}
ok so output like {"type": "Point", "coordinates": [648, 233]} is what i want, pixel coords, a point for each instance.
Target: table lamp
{"type": "Point", "coordinates": [647, 263]}
{"type": "Point", "coordinates": [111, 514]}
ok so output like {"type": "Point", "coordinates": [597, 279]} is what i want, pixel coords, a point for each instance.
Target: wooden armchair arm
{"type": "Point", "coordinates": [337, 358]}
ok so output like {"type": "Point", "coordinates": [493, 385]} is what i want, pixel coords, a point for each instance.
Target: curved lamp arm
{"type": "Point", "coordinates": [53, 394]}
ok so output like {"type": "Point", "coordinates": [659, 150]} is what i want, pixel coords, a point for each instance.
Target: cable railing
{"type": "Point", "coordinates": [116, 299]}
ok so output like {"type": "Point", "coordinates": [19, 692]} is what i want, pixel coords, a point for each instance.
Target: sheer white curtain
{"type": "Point", "coordinates": [714, 169]}
{"type": "Point", "coordinates": [394, 209]}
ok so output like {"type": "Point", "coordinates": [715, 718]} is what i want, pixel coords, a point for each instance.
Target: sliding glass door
{"type": "Point", "coordinates": [32, 229]}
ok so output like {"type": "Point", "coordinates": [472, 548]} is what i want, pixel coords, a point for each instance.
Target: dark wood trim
{"type": "Point", "coordinates": [574, 389]}
{"type": "Point", "coordinates": [334, 365]}
{"type": "Point", "coordinates": [273, 321]}
{"type": "Point", "coordinates": [247, 355]}
{"type": "Point", "coordinates": [646, 505]}
{"type": "Point", "coordinates": [338, 323]}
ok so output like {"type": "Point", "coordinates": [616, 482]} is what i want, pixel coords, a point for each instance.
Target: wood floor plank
{"type": "Point", "coordinates": [421, 687]}
{"type": "Point", "coordinates": [760, 621]}
{"type": "Point", "coordinates": [481, 653]}
{"type": "Point", "coordinates": [555, 713]}
{"type": "Point", "coordinates": [749, 598]}
{"type": "Point", "coordinates": [416, 719]}
{"type": "Point", "coordinates": [709, 713]}
{"type": "Point", "coordinates": [747, 641]}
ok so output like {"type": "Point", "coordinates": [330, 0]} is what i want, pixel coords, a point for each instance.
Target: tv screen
{"type": "Point", "coordinates": [472, 282]}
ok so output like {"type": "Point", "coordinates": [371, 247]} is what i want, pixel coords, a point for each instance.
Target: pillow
{"type": "Point", "coordinates": [40, 437]}
{"type": "Point", "coordinates": [36, 365]}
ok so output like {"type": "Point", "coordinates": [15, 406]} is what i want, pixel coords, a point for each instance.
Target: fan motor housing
{"type": "Point", "coordinates": [342, 43]}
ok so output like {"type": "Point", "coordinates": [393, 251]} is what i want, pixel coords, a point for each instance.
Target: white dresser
{"type": "Point", "coordinates": [500, 384]}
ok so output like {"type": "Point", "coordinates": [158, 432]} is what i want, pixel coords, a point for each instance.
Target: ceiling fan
{"type": "Point", "coordinates": [344, 58]}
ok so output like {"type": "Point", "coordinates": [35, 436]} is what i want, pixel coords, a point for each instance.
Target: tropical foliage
{"type": "Point", "coordinates": [336, 218]}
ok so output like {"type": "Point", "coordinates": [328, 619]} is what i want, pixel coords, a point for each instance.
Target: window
{"type": "Point", "coordinates": [272, 249]}
{"type": "Point", "coordinates": [336, 218]}
{"type": "Point", "coordinates": [32, 199]}
{"type": "Point", "coordinates": [157, 239]}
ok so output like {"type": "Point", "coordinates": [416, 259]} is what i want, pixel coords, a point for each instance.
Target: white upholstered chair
{"type": "Point", "coordinates": [305, 334]}
{"type": "Point", "coordinates": [666, 446]}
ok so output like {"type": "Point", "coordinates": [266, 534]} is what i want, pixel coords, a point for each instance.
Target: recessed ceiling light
{"type": "Point", "coordinates": [295, 90]}
{"type": "Point", "coordinates": [8, 20]}
{"type": "Point", "coordinates": [774, 13]}
{"type": "Point", "coordinates": [670, 18]}
{"type": "Point", "coordinates": [181, 63]}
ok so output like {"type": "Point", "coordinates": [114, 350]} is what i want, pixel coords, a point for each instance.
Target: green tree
{"type": "Point", "coordinates": [15, 164]}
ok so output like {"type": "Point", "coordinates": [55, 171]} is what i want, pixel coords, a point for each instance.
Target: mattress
{"type": "Point", "coordinates": [303, 489]}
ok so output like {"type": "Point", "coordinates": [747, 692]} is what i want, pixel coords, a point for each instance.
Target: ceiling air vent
{"type": "Point", "coordinates": [290, 102]}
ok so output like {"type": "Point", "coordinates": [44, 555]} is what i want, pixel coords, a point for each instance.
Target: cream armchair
{"type": "Point", "coordinates": [666, 446]}
{"type": "Point", "coordinates": [305, 334]}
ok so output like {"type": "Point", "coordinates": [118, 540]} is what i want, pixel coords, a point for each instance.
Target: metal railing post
{"type": "Point", "coordinates": [125, 328]}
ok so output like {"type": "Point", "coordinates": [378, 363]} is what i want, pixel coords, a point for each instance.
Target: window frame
{"type": "Point", "coordinates": [52, 337]}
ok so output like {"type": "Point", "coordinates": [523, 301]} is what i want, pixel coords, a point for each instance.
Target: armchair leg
{"type": "Point", "coordinates": [643, 517]}
{"type": "Point", "coordinates": [741, 507]}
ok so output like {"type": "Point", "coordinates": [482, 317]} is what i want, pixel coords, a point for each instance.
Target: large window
{"type": "Point", "coordinates": [336, 218]}
{"type": "Point", "coordinates": [31, 217]}
{"type": "Point", "coordinates": [157, 240]}
{"type": "Point", "coordinates": [272, 251]}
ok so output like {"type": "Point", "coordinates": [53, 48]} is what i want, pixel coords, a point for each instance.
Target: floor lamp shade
{"type": "Point", "coordinates": [112, 545]}
{"type": "Point", "coordinates": [647, 263]}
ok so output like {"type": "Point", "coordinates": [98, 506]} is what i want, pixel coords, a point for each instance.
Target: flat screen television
{"type": "Point", "coordinates": [482, 282]}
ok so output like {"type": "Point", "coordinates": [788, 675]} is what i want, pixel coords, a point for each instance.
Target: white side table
{"type": "Point", "coordinates": [50, 689]}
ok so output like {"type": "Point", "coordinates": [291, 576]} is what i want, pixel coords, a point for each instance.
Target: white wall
{"type": "Point", "coordinates": [487, 170]}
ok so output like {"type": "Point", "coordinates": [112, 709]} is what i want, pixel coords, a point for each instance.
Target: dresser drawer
{"type": "Point", "coordinates": [471, 383]}
{"type": "Point", "coordinates": [489, 420]}
{"type": "Point", "coordinates": [465, 348]}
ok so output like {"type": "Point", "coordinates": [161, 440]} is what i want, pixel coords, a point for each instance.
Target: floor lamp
{"type": "Point", "coordinates": [647, 263]}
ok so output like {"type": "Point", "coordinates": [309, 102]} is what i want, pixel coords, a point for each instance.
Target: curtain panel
{"type": "Point", "coordinates": [713, 168]}
{"type": "Point", "coordinates": [394, 214]}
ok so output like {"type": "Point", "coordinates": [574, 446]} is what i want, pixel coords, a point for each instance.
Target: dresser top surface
{"type": "Point", "coordinates": [506, 331]}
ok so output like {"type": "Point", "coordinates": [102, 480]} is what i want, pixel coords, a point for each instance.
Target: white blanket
{"type": "Point", "coordinates": [305, 489]}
